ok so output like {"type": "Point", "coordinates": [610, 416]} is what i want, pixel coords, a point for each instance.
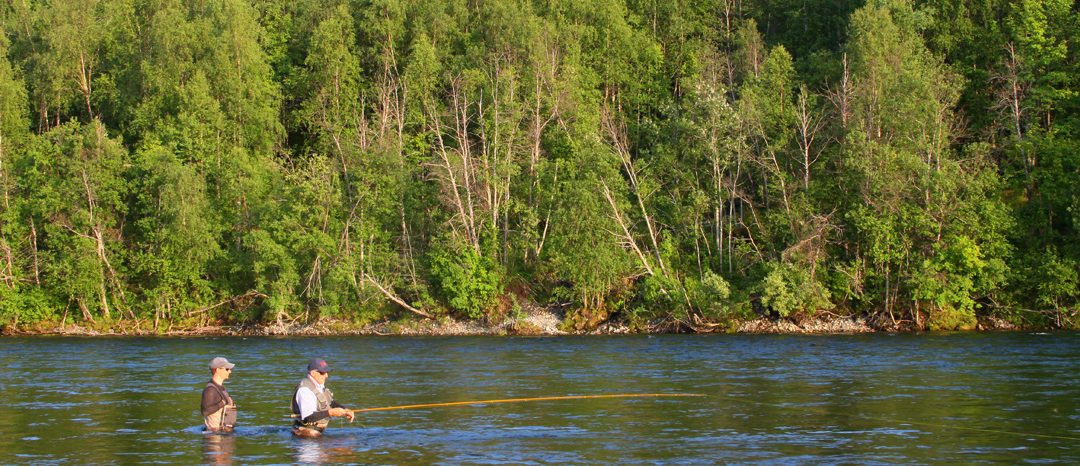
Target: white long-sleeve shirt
{"type": "Point", "coordinates": [306, 400]}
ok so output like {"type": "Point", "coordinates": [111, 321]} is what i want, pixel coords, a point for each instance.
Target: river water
{"type": "Point", "coordinates": [955, 398]}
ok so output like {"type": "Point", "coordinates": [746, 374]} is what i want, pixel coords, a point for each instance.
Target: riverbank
{"type": "Point", "coordinates": [536, 321]}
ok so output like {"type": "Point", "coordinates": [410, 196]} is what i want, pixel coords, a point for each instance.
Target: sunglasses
{"type": "Point", "coordinates": [323, 373]}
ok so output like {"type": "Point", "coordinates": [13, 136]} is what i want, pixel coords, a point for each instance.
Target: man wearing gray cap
{"type": "Point", "coordinates": [218, 409]}
{"type": "Point", "coordinates": [313, 404]}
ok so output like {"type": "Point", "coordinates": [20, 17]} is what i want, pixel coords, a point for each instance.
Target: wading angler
{"type": "Point", "coordinates": [218, 408]}
{"type": "Point", "coordinates": [313, 404]}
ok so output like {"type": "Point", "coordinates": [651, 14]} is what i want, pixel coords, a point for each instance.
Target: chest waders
{"type": "Point", "coordinates": [323, 399]}
{"type": "Point", "coordinates": [226, 420]}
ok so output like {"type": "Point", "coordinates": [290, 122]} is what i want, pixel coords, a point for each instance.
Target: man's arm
{"type": "Point", "coordinates": [211, 401]}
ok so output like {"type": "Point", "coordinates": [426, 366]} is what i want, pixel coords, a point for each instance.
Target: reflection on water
{"type": "Point", "coordinates": [218, 448]}
{"type": "Point", "coordinates": [309, 451]}
{"type": "Point", "coordinates": [335, 447]}
{"type": "Point", "coordinates": [976, 398]}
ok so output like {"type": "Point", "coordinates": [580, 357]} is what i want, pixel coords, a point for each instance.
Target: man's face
{"type": "Point", "coordinates": [319, 377]}
{"type": "Point", "coordinates": [223, 373]}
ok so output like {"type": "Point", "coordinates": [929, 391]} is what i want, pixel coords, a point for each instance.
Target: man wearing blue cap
{"type": "Point", "coordinates": [313, 404]}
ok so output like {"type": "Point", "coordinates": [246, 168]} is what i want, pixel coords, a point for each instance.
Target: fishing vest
{"type": "Point", "coordinates": [224, 418]}
{"type": "Point", "coordinates": [323, 401]}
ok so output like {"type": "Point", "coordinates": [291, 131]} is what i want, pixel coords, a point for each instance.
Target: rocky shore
{"type": "Point", "coordinates": [535, 321]}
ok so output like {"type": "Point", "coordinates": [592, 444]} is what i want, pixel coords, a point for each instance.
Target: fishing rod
{"type": "Point", "coordinates": [521, 400]}
{"type": "Point", "coordinates": [680, 395]}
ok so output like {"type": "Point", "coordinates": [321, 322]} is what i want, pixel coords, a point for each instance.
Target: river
{"type": "Point", "coordinates": [879, 398]}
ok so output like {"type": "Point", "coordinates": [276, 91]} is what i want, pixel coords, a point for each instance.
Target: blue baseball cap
{"type": "Point", "coordinates": [318, 365]}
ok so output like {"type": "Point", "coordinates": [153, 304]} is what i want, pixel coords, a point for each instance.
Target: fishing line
{"type": "Point", "coordinates": [685, 395]}
{"type": "Point", "coordinates": [520, 400]}
{"type": "Point", "coordinates": [920, 423]}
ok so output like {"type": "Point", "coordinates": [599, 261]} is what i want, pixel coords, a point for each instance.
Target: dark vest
{"type": "Point", "coordinates": [323, 401]}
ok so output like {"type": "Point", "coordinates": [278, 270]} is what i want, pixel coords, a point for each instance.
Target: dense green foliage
{"type": "Point", "coordinates": [684, 163]}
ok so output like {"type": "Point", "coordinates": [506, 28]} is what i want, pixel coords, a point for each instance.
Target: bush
{"type": "Point", "coordinates": [787, 289]}
{"type": "Point", "coordinates": [949, 279]}
{"type": "Point", "coordinates": [25, 306]}
{"type": "Point", "coordinates": [467, 280]}
{"type": "Point", "coordinates": [712, 296]}
{"type": "Point", "coordinates": [950, 318]}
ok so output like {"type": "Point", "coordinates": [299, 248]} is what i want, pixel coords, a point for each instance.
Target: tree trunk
{"type": "Point", "coordinates": [84, 82]}
{"type": "Point", "coordinates": [8, 273]}
{"type": "Point", "coordinates": [104, 301]}
{"type": "Point", "coordinates": [618, 138]}
{"type": "Point", "coordinates": [627, 236]}
{"type": "Point", "coordinates": [462, 181]}
{"type": "Point", "coordinates": [465, 152]}
{"type": "Point", "coordinates": [3, 174]}
{"type": "Point", "coordinates": [807, 127]}
{"type": "Point", "coordinates": [34, 253]}
{"type": "Point", "coordinates": [840, 96]}
{"type": "Point", "coordinates": [87, 317]}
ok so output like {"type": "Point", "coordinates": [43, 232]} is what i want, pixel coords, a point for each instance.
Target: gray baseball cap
{"type": "Point", "coordinates": [221, 362]}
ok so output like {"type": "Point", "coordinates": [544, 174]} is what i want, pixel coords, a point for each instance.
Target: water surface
{"type": "Point", "coordinates": [957, 398]}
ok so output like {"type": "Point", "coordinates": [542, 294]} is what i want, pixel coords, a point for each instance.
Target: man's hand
{"type": "Point", "coordinates": [342, 412]}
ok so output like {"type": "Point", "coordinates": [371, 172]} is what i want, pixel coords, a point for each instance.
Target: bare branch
{"type": "Point", "coordinates": [393, 297]}
{"type": "Point", "coordinates": [629, 238]}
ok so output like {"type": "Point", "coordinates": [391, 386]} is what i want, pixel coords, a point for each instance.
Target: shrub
{"type": "Point", "coordinates": [25, 305]}
{"type": "Point", "coordinates": [787, 289]}
{"type": "Point", "coordinates": [467, 280]}
{"type": "Point", "coordinates": [712, 296]}
{"type": "Point", "coordinates": [950, 318]}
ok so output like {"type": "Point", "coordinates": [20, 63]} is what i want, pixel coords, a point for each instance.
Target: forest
{"type": "Point", "coordinates": [678, 165]}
